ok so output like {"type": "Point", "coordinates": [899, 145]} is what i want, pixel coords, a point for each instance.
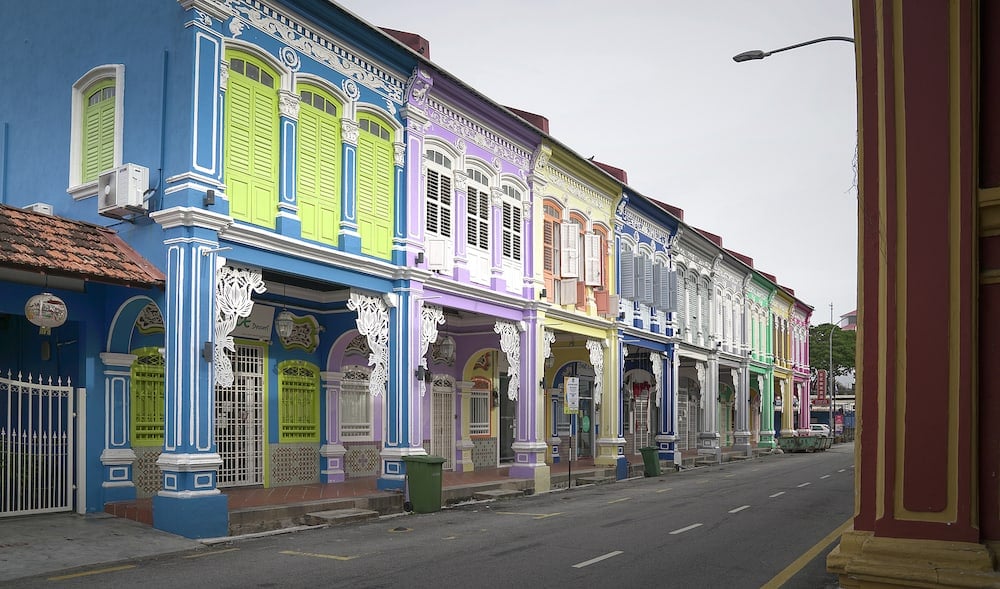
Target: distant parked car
{"type": "Point", "coordinates": [820, 429]}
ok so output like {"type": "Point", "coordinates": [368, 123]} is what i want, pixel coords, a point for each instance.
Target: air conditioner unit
{"type": "Point", "coordinates": [43, 208]}
{"type": "Point", "coordinates": [120, 191]}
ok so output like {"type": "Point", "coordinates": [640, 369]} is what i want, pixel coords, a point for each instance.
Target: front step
{"type": "Point", "coordinates": [274, 517]}
{"type": "Point", "coordinates": [336, 517]}
{"type": "Point", "coordinates": [498, 494]}
{"type": "Point", "coordinates": [594, 480]}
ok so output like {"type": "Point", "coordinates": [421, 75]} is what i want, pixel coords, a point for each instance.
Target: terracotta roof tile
{"type": "Point", "coordinates": [53, 245]}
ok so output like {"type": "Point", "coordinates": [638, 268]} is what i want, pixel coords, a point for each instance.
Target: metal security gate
{"type": "Point", "coordinates": [239, 420]}
{"type": "Point", "coordinates": [641, 421]}
{"type": "Point", "coordinates": [443, 424]}
{"type": "Point", "coordinates": [36, 446]}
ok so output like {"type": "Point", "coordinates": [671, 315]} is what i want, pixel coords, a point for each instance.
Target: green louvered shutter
{"type": "Point", "coordinates": [318, 187]}
{"type": "Point", "coordinates": [376, 177]}
{"type": "Point", "coordinates": [252, 144]}
{"type": "Point", "coordinates": [98, 130]}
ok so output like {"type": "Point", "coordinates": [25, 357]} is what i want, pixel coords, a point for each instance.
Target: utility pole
{"type": "Point", "coordinates": [832, 382]}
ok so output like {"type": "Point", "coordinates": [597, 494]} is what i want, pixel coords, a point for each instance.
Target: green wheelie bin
{"type": "Point", "coordinates": [423, 482]}
{"type": "Point", "coordinates": [651, 460]}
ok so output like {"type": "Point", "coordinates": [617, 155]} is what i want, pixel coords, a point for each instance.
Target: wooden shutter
{"type": "Point", "coordinates": [98, 143]}
{"type": "Point", "coordinates": [567, 291]}
{"type": "Point", "coordinates": [376, 181]}
{"type": "Point", "coordinates": [570, 250]}
{"type": "Point", "coordinates": [658, 292]}
{"type": "Point", "coordinates": [252, 143]}
{"type": "Point", "coordinates": [647, 280]}
{"type": "Point", "coordinates": [593, 263]}
{"type": "Point", "coordinates": [318, 177]}
{"type": "Point", "coordinates": [627, 274]}
{"type": "Point", "coordinates": [669, 285]}
{"type": "Point", "coordinates": [512, 231]}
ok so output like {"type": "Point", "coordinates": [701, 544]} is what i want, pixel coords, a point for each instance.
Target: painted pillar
{"type": "Point", "coordinates": [403, 435]}
{"type": "Point", "coordinates": [332, 451]}
{"type": "Point", "coordinates": [529, 445]}
{"type": "Point", "coordinates": [610, 444]}
{"type": "Point", "coordinates": [497, 282]}
{"type": "Point", "coordinates": [415, 218]}
{"type": "Point", "coordinates": [118, 457]}
{"type": "Point", "coordinates": [765, 382]}
{"type": "Point", "coordinates": [787, 406]}
{"type": "Point", "coordinates": [926, 479]}
{"type": "Point", "coordinates": [288, 222]}
{"type": "Point", "coordinates": [350, 237]}
{"type": "Point", "coordinates": [189, 504]}
{"type": "Point", "coordinates": [708, 434]}
{"type": "Point", "coordinates": [461, 221]}
{"type": "Point", "coordinates": [401, 204]}
{"type": "Point", "coordinates": [741, 382]}
{"type": "Point", "coordinates": [663, 371]}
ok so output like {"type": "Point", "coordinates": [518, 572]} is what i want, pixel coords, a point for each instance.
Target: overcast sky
{"type": "Point", "coordinates": [761, 153]}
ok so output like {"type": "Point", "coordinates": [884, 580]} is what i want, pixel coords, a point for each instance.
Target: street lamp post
{"type": "Point", "coordinates": [758, 54]}
{"type": "Point", "coordinates": [832, 383]}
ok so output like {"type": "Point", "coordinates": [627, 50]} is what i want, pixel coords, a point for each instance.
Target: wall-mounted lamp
{"type": "Point", "coordinates": [542, 293]}
{"type": "Point", "coordinates": [206, 351]}
{"type": "Point", "coordinates": [284, 323]}
{"type": "Point", "coordinates": [447, 347]}
{"type": "Point", "coordinates": [423, 374]}
{"type": "Point", "coordinates": [496, 397]}
{"type": "Point", "coordinates": [209, 198]}
{"type": "Point", "coordinates": [420, 258]}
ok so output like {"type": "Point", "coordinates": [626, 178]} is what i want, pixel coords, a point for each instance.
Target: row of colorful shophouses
{"type": "Point", "coordinates": [263, 243]}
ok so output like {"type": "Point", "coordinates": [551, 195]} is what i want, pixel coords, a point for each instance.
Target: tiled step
{"type": "Point", "coordinates": [274, 517]}
{"type": "Point", "coordinates": [338, 516]}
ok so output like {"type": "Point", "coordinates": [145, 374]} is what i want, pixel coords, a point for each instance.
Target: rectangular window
{"type": "Point", "coordinates": [438, 203]}
{"type": "Point", "coordinates": [298, 402]}
{"type": "Point", "coordinates": [512, 231]}
{"type": "Point", "coordinates": [479, 413]}
{"type": "Point", "coordinates": [569, 250]}
{"type": "Point", "coordinates": [627, 274]}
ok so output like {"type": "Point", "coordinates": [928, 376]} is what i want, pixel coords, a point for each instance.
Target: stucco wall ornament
{"type": "Point", "coordinates": [510, 344]}
{"type": "Point", "coordinates": [430, 317]}
{"type": "Point", "coordinates": [310, 43]}
{"type": "Point", "coordinates": [419, 84]}
{"type": "Point", "coordinates": [399, 153]}
{"type": "Point", "coordinates": [290, 58]}
{"type": "Point", "coordinates": [351, 89]}
{"type": "Point", "coordinates": [465, 127]}
{"type": "Point", "coordinates": [223, 75]}
{"type": "Point", "coordinates": [701, 383]}
{"type": "Point", "coordinates": [373, 323]}
{"type": "Point", "coordinates": [548, 338]}
{"type": "Point", "coordinates": [305, 334]}
{"type": "Point", "coordinates": [657, 361]}
{"type": "Point", "coordinates": [288, 104]}
{"type": "Point", "coordinates": [236, 27]}
{"type": "Point", "coordinates": [233, 290]}
{"type": "Point", "coordinates": [596, 348]}
{"type": "Point", "coordinates": [350, 131]}
{"type": "Point", "coordinates": [149, 320]}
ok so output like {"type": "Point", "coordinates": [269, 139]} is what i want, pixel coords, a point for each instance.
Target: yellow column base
{"type": "Point", "coordinates": [607, 452]}
{"type": "Point", "coordinates": [543, 479]}
{"type": "Point", "coordinates": [863, 560]}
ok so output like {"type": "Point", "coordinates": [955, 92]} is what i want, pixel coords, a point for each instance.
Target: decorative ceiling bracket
{"type": "Point", "coordinates": [510, 344]}
{"type": "Point", "coordinates": [233, 291]}
{"type": "Point", "coordinates": [430, 317]}
{"type": "Point", "coordinates": [657, 361]}
{"type": "Point", "coordinates": [596, 348]}
{"type": "Point", "coordinates": [373, 323]}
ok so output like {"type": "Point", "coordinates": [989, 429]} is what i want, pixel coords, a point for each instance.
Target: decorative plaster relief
{"type": "Point", "coordinates": [149, 320]}
{"type": "Point", "coordinates": [468, 128]}
{"type": "Point", "coordinates": [596, 348]}
{"type": "Point", "coordinates": [430, 317]}
{"type": "Point", "coordinates": [288, 104]}
{"type": "Point", "coordinates": [548, 338]}
{"type": "Point", "coordinates": [233, 290]}
{"type": "Point", "coordinates": [308, 42]}
{"type": "Point", "coordinates": [350, 131]}
{"type": "Point", "coordinates": [510, 344]}
{"type": "Point", "coordinates": [657, 361]}
{"type": "Point", "coordinates": [635, 221]}
{"type": "Point", "coordinates": [305, 334]}
{"type": "Point", "coordinates": [373, 323]}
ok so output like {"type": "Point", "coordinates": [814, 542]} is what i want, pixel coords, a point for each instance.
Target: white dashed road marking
{"type": "Point", "coordinates": [826, 476]}
{"type": "Point", "coordinates": [685, 529]}
{"type": "Point", "coordinates": [739, 509]}
{"type": "Point", "coordinates": [580, 565]}
{"type": "Point", "coordinates": [803, 485]}
{"type": "Point", "coordinates": [778, 494]}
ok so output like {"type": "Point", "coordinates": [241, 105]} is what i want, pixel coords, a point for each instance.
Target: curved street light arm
{"type": "Point", "coordinates": [758, 54]}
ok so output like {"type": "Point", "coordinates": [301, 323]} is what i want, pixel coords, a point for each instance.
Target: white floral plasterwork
{"type": "Point", "coordinates": [310, 43]}
{"type": "Point", "coordinates": [373, 323]}
{"type": "Point", "coordinates": [548, 338]}
{"type": "Point", "coordinates": [510, 344]}
{"type": "Point", "coordinates": [233, 290]}
{"type": "Point", "coordinates": [596, 348]}
{"type": "Point", "coordinates": [350, 131]}
{"type": "Point", "coordinates": [449, 118]}
{"type": "Point", "coordinates": [657, 360]}
{"type": "Point", "coordinates": [430, 317]}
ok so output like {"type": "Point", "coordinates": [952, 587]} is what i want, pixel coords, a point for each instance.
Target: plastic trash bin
{"type": "Point", "coordinates": [651, 461]}
{"type": "Point", "coordinates": [423, 482]}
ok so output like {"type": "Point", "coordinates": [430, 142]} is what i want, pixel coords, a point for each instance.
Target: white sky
{"type": "Point", "coordinates": [761, 153]}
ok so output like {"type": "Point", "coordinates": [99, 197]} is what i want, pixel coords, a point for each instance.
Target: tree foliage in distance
{"type": "Point", "coordinates": [843, 349]}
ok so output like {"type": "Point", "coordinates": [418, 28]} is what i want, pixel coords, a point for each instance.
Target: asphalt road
{"type": "Point", "coordinates": [734, 525]}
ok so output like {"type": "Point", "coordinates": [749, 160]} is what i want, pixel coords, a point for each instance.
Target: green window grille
{"type": "Point", "coordinates": [147, 398]}
{"type": "Point", "coordinates": [98, 153]}
{"type": "Point", "coordinates": [298, 401]}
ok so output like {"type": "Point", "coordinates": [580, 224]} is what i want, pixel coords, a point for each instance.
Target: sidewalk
{"type": "Point", "coordinates": [51, 543]}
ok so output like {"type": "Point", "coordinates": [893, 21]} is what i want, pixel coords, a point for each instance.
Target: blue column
{"type": "Point", "coordinates": [350, 238]}
{"type": "Point", "coordinates": [667, 436]}
{"type": "Point", "coordinates": [400, 205]}
{"type": "Point", "coordinates": [288, 222]}
{"type": "Point", "coordinates": [398, 417]}
{"type": "Point", "coordinates": [189, 503]}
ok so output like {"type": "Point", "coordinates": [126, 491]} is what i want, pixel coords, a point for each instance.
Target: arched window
{"type": "Point", "coordinates": [318, 178]}
{"type": "Point", "coordinates": [376, 186]}
{"type": "Point", "coordinates": [252, 142]}
{"type": "Point", "coordinates": [512, 224]}
{"type": "Point", "coordinates": [438, 207]}
{"type": "Point", "coordinates": [478, 210]}
{"type": "Point", "coordinates": [96, 134]}
{"type": "Point", "coordinates": [552, 215]}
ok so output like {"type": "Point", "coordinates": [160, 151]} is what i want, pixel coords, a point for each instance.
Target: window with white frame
{"type": "Point", "coordinates": [355, 406]}
{"type": "Point", "coordinates": [512, 224]}
{"type": "Point", "coordinates": [479, 413]}
{"type": "Point", "coordinates": [97, 113]}
{"type": "Point", "coordinates": [627, 272]}
{"type": "Point", "coordinates": [478, 210]}
{"type": "Point", "coordinates": [439, 194]}
{"type": "Point", "coordinates": [551, 240]}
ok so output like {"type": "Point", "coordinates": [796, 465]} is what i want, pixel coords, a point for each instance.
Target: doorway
{"type": "Point", "coordinates": [443, 423]}
{"type": "Point", "coordinates": [239, 419]}
{"type": "Point", "coordinates": [508, 412]}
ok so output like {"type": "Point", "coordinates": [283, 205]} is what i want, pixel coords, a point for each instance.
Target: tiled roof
{"type": "Point", "coordinates": [52, 245]}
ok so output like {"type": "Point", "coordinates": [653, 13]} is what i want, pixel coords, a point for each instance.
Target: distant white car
{"type": "Point", "coordinates": [820, 429]}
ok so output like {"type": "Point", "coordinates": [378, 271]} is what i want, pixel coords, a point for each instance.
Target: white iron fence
{"type": "Point", "coordinates": [36, 445]}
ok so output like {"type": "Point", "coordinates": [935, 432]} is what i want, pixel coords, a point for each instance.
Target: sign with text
{"type": "Point", "coordinates": [821, 387]}
{"type": "Point", "coordinates": [257, 325]}
{"type": "Point", "coordinates": [572, 403]}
